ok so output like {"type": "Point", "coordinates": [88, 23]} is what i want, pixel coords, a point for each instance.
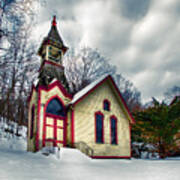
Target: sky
{"type": "Point", "coordinates": [140, 37]}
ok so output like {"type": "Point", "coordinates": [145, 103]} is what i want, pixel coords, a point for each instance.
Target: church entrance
{"type": "Point", "coordinates": [54, 123]}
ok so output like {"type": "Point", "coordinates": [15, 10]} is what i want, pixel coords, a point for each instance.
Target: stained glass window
{"type": "Point", "coordinates": [106, 105]}
{"type": "Point", "coordinates": [113, 130]}
{"type": "Point", "coordinates": [55, 107]}
{"type": "Point", "coordinates": [99, 128]}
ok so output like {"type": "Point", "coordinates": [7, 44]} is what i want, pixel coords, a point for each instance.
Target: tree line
{"type": "Point", "coordinates": [18, 61]}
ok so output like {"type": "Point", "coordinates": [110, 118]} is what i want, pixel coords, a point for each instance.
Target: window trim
{"type": "Point", "coordinates": [32, 121]}
{"type": "Point", "coordinates": [109, 105]}
{"type": "Point", "coordinates": [116, 130]}
{"type": "Point", "coordinates": [50, 114]}
{"type": "Point", "coordinates": [64, 118]}
{"type": "Point", "coordinates": [99, 113]}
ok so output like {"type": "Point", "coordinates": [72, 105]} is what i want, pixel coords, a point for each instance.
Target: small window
{"type": "Point", "coordinates": [106, 105]}
{"type": "Point", "coordinates": [99, 128]}
{"type": "Point", "coordinates": [113, 130]}
{"type": "Point", "coordinates": [32, 123]}
{"type": "Point", "coordinates": [55, 107]}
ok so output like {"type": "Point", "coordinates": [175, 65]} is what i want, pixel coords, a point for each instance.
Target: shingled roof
{"type": "Point", "coordinates": [53, 38]}
{"type": "Point", "coordinates": [91, 87]}
{"type": "Point", "coordinates": [53, 33]}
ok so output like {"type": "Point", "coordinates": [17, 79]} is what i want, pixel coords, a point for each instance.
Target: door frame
{"type": "Point", "coordinates": [55, 128]}
{"type": "Point", "coordinates": [64, 118]}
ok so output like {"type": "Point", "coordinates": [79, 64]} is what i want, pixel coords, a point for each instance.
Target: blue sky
{"type": "Point", "coordinates": [140, 37]}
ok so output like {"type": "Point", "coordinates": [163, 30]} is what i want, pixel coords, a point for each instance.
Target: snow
{"type": "Point", "coordinates": [71, 164]}
{"type": "Point", "coordinates": [74, 165]}
{"type": "Point", "coordinates": [36, 81]}
{"type": "Point", "coordinates": [81, 93]}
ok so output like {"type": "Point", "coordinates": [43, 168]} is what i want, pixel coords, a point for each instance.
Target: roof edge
{"type": "Point", "coordinates": [59, 85]}
{"type": "Point", "coordinates": [130, 117]}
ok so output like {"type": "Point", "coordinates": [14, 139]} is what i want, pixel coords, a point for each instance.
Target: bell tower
{"type": "Point", "coordinates": [51, 52]}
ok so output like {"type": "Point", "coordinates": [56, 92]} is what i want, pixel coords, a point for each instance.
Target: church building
{"type": "Point", "coordinates": [95, 120]}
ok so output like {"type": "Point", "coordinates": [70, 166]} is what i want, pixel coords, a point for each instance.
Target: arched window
{"type": "Point", "coordinates": [106, 105]}
{"type": "Point", "coordinates": [32, 122]}
{"type": "Point", "coordinates": [55, 107]}
{"type": "Point", "coordinates": [99, 128]}
{"type": "Point", "coordinates": [113, 127]}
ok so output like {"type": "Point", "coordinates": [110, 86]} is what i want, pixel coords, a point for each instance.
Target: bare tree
{"type": "Point", "coordinates": [83, 66]}
{"type": "Point", "coordinates": [129, 92]}
{"type": "Point", "coordinates": [18, 60]}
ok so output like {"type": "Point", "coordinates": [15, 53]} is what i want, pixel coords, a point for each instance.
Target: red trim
{"type": "Point", "coordinates": [110, 157]}
{"type": "Point", "coordinates": [31, 129]}
{"type": "Point", "coordinates": [114, 117]}
{"type": "Point", "coordinates": [55, 131]}
{"type": "Point", "coordinates": [29, 110]}
{"type": "Point", "coordinates": [130, 140]}
{"type": "Point", "coordinates": [124, 103]}
{"type": "Point", "coordinates": [51, 63]}
{"type": "Point", "coordinates": [55, 117]}
{"type": "Point", "coordinates": [96, 113]}
{"type": "Point", "coordinates": [31, 93]}
{"type": "Point", "coordinates": [54, 21]}
{"type": "Point", "coordinates": [109, 104]}
{"type": "Point", "coordinates": [59, 85]}
{"type": "Point", "coordinates": [52, 140]}
{"type": "Point", "coordinates": [115, 86]}
{"type": "Point", "coordinates": [50, 125]}
{"type": "Point", "coordinates": [38, 120]}
{"type": "Point", "coordinates": [65, 131]}
{"type": "Point", "coordinates": [50, 86]}
{"type": "Point", "coordinates": [72, 127]}
{"type": "Point", "coordinates": [91, 90]}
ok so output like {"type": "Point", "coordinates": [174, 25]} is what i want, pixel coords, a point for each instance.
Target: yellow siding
{"type": "Point", "coordinates": [68, 140]}
{"type": "Point", "coordinates": [33, 101]}
{"type": "Point", "coordinates": [85, 123]}
{"type": "Point", "coordinates": [45, 96]}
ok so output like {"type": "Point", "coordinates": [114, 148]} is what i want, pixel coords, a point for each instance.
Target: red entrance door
{"type": "Point", "coordinates": [54, 131]}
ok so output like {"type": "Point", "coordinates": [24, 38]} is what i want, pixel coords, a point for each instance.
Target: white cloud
{"type": "Point", "coordinates": [140, 37]}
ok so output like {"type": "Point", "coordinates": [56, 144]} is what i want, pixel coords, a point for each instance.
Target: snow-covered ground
{"type": "Point", "coordinates": [17, 164]}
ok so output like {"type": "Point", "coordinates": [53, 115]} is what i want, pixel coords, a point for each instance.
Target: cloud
{"type": "Point", "coordinates": [140, 37]}
{"type": "Point", "coordinates": [134, 9]}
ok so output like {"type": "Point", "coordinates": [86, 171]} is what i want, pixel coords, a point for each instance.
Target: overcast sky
{"type": "Point", "coordinates": [140, 37]}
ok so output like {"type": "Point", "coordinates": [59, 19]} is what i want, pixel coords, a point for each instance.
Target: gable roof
{"type": "Point", "coordinates": [55, 83]}
{"type": "Point", "coordinates": [54, 34]}
{"type": "Point", "coordinates": [87, 89]}
{"type": "Point", "coordinates": [53, 38]}
{"type": "Point", "coordinates": [91, 87]}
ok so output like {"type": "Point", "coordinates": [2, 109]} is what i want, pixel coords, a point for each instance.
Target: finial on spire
{"type": "Point", "coordinates": [54, 21]}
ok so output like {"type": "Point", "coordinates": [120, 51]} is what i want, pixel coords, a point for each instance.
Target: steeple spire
{"type": "Point", "coordinates": [52, 51]}
{"type": "Point", "coordinates": [53, 39]}
{"type": "Point", "coordinates": [54, 21]}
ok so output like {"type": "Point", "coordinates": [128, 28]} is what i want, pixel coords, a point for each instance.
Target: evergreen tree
{"type": "Point", "coordinates": [158, 125]}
